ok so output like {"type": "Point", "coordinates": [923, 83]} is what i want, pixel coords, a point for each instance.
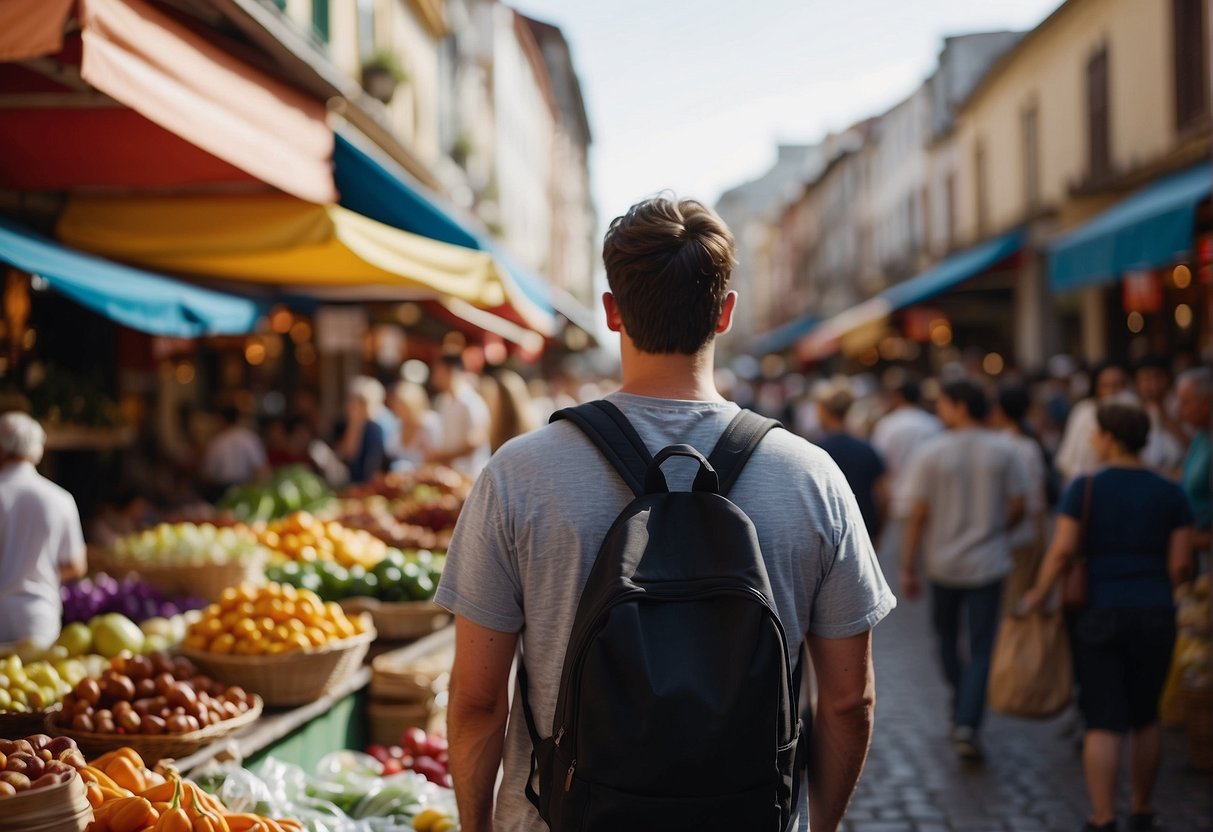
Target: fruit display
{"type": "Point", "coordinates": [154, 695]}
{"type": "Point", "coordinates": [132, 597]}
{"type": "Point", "coordinates": [37, 762]}
{"type": "Point", "coordinates": [347, 791]}
{"type": "Point", "coordinates": [303, 537]}
{"type": "Point", "coordinates": [290, 489]}
{"type": "Point", "coordinates": [127, 797]}
{"type": "Point", "coordinates": [185, 544]}
{"type": "Point", "coordinates": [270, 620]}
{"type": "Point", "coordinates": [38, 679]}
{"type": "Point", "coordinates": [400, 576]}
{"type": "Point", "coordinates": [417, 510]}
{"type": "Point", "coordinates": [418, 751]}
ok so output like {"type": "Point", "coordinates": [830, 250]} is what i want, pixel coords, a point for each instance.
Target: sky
{"type": "Point", "coordinates": [694, 95]}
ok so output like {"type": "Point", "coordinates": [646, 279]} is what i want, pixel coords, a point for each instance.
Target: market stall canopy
{"type": "Point", "coordinates": [1151, 228]}
{"type": "Point", "coordinates": [780, 338]}
{"type": "Point", "coordinates": [948, 273]}
{"type": "Point", "coordinates": [136, 98]}
{"type": "Point", "coordinates": [320, 250]}
{"type": "Point", "coordinates": [137, 299]}
{"type": "Point", "coordinates": [374, 186]}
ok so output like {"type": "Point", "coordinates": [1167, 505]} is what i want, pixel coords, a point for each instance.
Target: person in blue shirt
{"type": "Point", "coordinates": [1138, 547]}
{"type": "Point", "coordinates": [858, 460]}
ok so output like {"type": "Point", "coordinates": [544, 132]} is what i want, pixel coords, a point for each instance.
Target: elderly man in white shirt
{"type": "Point", "coordinates": [41, 542]}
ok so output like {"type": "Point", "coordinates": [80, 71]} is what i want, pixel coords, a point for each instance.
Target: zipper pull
{"type": "Point", "coordinates": [559, 736]}
{"type": "Point", "coordinates": [568, 778]}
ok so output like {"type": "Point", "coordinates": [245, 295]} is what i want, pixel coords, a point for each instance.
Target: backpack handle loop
{"type": "Point", "coordinates": [705, 480]}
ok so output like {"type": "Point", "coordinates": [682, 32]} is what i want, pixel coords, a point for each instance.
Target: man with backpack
{"type": "Point", "coordinates": [655, 562]}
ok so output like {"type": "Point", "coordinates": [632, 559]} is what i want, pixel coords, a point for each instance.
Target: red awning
{"type": "Point", "coordinates": [139, 99]}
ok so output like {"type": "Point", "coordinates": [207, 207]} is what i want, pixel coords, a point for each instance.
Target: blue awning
{"type": "Point", "coordinates": [1151, 228]}
{"type": "Point", "coordinates": [370, 188]}
{"type": "Point", "coordinates": [953, 270]}
{"type": "Point", "coordinates": [780, 338]}
{"type": "Point", "coordinates": [944, 275]}
{"type": "Point", "coordinates": [140, 300]}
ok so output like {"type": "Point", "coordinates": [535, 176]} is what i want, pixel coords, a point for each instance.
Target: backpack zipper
{"type": "Point", "coordinates": [579, 659]}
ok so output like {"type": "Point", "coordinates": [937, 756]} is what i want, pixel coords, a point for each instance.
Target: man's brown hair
{"type": "Point", "coordinates": [668, 264]}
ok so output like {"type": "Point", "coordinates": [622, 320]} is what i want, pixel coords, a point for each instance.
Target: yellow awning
{"type": "Point", "coordinates": [279, 240]}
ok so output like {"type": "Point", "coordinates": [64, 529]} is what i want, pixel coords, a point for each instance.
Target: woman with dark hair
{"type": "Point", "coordinates": [1138, 546]}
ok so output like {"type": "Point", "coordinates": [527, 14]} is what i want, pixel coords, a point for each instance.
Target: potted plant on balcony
{"type": "Point", "coordinates": [381, 74]}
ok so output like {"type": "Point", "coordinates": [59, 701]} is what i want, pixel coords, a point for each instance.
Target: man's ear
{"type": "Point", "coordinates": [614, 321]}
{"type": "Point", "coordinates": [726, 313]}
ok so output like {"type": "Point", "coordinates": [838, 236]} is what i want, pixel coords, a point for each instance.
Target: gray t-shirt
{"type": "Point", "coordinates": [535, 519]}
{"type": "Point", "coordinates": [967, 479]}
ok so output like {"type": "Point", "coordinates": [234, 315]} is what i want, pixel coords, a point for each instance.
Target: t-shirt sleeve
{"type": "Point", "coordinates": [1071, 499]}
{"type": "Point", "coordinates": [852, 595]}
{"type": "Point", "coordinates": [71, 542]}
{"type": "Point", "coordinates": [479, 581]}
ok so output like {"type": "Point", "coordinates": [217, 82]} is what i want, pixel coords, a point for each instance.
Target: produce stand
{"type": "Point", "coordinates": [304, 734]}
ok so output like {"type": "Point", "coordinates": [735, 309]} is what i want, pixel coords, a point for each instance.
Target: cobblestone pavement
{"type": "Point", "coordinates": [1031, 779]}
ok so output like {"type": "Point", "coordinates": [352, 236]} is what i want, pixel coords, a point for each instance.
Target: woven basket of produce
{"type": "Point", "coordinates": [294, 678]}
{"type": "Point", "coordinates": [200, 560]}
{"type": "Point", "coordinates": [1198, 716]}
{"type": "Point", "coordinates": [63, 807]}
{"type": "Point", "coordinates": [14, 724]}
{"type": "Point", "coordinates": [401, 620]}
{"type": "Point", "coordinates": [398, 678]}
{"type": "Point", "coordinates": [156, 747]}
{"type": "Point", "coordinates": [386, 721]}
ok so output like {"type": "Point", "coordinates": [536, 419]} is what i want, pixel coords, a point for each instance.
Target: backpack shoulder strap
{"type": "Point", "coordinates": [735, 445]}
{"type": "Point", "coordinates": [613, 434]}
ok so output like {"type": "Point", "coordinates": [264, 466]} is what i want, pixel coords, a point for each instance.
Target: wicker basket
{"type": "Point", "coordinates": [1198, 715]}
{"type": "Point", "coordinates": [398, 678]}
{"type": "Point", "coordinates": [61, 808]}
{"type": "Point", "coordinates": [400, 621]}
{"type": "Point", "coordinates": [153, 748]}
{"type": "Point", "coordinates": [15, 726]}
{"type": "Point", "coordinates": [387, 721]}
{"type": "Point", "coordinates": [288, 678]}
{"type": "Point", "coordinates": [206, 581]}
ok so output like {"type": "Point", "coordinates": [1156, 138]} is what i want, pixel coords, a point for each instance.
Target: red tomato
{"type": "Point", "coordinates": [396, 752]}
{"type": "Point", "coordinates": [435, 745]}
{"type": "Point", "coordinates": [431, 769]}
{"type": "Point", "coordinates": [379, 752]}
{"type": "Point", "coordinates": [392, 766]}
{"type": "Point", "coordinates": [413, 739]}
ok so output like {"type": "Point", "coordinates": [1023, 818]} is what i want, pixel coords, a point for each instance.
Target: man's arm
{"type": "Point", "coordinates": [911, 586]}
{"type": "Point", "coordinates": [842, 728]}
{"type": "Point", "coordinates": [1015, 511]}
{"type": "Point", "coordinates": [476, 718]}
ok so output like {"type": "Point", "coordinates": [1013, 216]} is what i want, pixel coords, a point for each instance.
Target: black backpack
{"type": "Point", "coordinates": [677, 706]}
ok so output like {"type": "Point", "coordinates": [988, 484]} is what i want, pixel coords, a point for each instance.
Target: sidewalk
{"type": "Point", "coordinates": [1032, 777]}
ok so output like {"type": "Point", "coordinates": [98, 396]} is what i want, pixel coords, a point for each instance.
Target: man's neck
{"type": "Point", "coordinates": [669, 375]}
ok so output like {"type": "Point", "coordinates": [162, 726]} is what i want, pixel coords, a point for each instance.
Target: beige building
{"type": "Point", "coordinates": [1093, 103]}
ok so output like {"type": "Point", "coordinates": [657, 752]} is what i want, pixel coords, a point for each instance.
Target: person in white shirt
{"type": "Point", "coordinates": [41, 542]}
{"type": "Point", "coordinates": [1076, 455]}
{"type": "Point", "coordinates": [420, 427]}
{"type": "Point", "coordinates": [464, 443]}
{"type": "Point", "coordinates": [234, 456]}
{"type": "Point", "coordinates": [896, 437]}
{"type": "Point", "coordinates": [1028, 536]}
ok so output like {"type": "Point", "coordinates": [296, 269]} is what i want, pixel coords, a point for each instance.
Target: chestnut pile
{"type": "Point", "coordinates": [37, 762]}
{"type": "Point", "coordinates": [153, 694]}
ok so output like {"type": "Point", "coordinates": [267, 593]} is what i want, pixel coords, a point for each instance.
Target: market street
{"type": "Point", "coordinates": [1031, 780]}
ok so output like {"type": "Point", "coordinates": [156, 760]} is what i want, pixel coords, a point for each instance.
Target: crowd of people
{"type": "Point", "coordinates": [990, 490]}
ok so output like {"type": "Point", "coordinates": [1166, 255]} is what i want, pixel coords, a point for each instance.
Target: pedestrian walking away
{"type": "Point", "coordinates": [969, 488]}
{"type": "Point", "coordinates": [530, 532]}
{"type": "Point", "coordinates": [1138, 548]}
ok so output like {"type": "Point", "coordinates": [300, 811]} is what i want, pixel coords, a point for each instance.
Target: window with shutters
{"type": "Point", "coordinates": [1099, 138]}
{"type": "Point", "coordinates": [1191, 72]}
{"type": "Point", "coordinates": [320, 19]}
{"type": "Point", "coordinates": [1029, 129]}
{"type": "Point", "coordinates": [979, 179]}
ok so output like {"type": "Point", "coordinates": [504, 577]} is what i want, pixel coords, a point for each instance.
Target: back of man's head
{"type": "Point", "coordinates": [971, 395]}
{"type": "Point", "coordinates": [668, 264]}
{"type": "Point", "coordinates": [21, 437]}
